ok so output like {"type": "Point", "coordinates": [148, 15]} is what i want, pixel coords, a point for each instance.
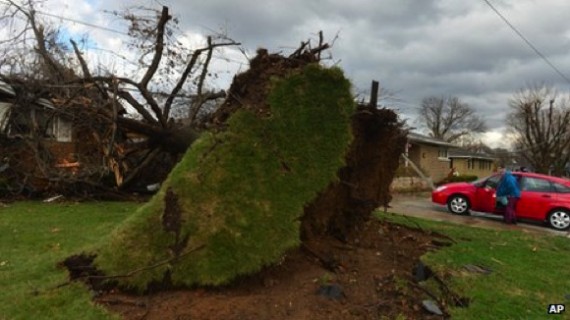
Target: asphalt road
{"type": "Point", "coordinates": [420, 205]}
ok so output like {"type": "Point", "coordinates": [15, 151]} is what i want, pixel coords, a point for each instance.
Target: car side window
{"type": "Point", "coordinates": [560, 188]}
{"type": "Point", "coordinates": [492, 182]}
{"type": "Point", "coordinates": [536, 185]}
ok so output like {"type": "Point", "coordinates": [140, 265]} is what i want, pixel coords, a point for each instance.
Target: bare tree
{"type": "Point", "coordinates": [540, 119]}
{"type": "Point", "coordinates": [448, 118]}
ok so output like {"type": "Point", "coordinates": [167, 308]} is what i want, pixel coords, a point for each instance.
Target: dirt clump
{"type": "Point", "coordinates": [363, 183]}
{"type": "Point", "coordinates": [249, 90]}
{"type": "Point", "coordinates": [373, 274]}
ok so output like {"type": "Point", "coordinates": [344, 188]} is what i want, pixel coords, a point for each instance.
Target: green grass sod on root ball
{"type": "Point", "coordinates": [235, 199]}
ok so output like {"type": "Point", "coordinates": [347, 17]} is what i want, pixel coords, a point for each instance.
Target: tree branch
{"type": "Point", "coordinates": [85, 69]}
{"type": "Point", "coordinates": [149, 158]}
{"type": "Point", "coordinates": [139, 127]}
{"type": "Point", "coordinates": [110, 81]}
{"type": "Point", "coordinates": [211, 46]}
{"type": "Point", "coordinates": [164, 17]}
{"type": "Point", "coordinates": [159, 48]}
{"type": "Point", "coordinates": [41, 41]}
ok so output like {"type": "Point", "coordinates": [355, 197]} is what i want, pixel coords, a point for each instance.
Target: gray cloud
{"type": "Point", "coordinates": [415, 48]}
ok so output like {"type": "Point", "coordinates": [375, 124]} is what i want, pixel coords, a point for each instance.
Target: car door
{"type": "Point", "coordinates": [562, 194]}
{"type": "Point", "coordinates": [485, 195]}
{"type": "Point", "coordinates": [537, 194]}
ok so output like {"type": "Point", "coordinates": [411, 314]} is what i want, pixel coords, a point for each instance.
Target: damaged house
{"type": "Point", "coordinates": [70, 130]}
{"type": "Point", "coordinates": [53, 145]}
{"type": "Point", "coordinates": [40, 118]}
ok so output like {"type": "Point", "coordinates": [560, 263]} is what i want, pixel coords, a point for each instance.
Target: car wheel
{"type": "Point", "coordinates": [458, 204]}
{"type": "Point", "coordinates": [559, 219]}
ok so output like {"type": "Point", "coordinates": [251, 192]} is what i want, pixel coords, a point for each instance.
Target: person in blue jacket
{"type": "Point", "coordinates": [509, 187]}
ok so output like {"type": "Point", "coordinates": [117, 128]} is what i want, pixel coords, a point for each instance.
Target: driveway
{"type": "Point", "coordinates": [420, 205]}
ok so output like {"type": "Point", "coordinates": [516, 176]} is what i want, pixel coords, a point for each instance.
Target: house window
{"type": "Point", "coordinates": [442, 153]}
{"type": "Point", "coordinates": [26, 123]}
{"type": "Point", "coordinates": [20, 123]}
{"type": "Point", "coordinates": [59, 129]}
{"type": "Point", "coordinates": [469, 163]}
{"type": "Point", "coordinates": [4, 115]}
{"type": "Point", "coordinates": [484, 165]}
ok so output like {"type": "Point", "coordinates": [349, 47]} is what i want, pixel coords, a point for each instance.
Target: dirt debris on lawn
{"type": "Point", "coordinates": [370, 277]}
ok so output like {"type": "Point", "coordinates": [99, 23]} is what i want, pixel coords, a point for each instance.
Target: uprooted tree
{"type": "Point", "coordinates": [292, 159]}
{"type": "Point", "coordinates": [288, 157]}
{"type": "Point", "coordinates": [116, 129]}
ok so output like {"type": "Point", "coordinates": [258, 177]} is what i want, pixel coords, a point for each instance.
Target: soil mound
{"type": "Point", "coordinates": [249, 90]}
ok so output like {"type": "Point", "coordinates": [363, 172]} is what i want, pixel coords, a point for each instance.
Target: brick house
{"type": "Point", "coordinates": [471, 163]}
{"type": "Point", "coordinates": [427, 155]}
{"type": "Point", "coordinates": [431, 155]}
{"type": "Point", "coordinates": [435, 158]}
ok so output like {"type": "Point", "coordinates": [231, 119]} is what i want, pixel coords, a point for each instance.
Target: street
{"type": "Point", "coordinates": [420, 205]}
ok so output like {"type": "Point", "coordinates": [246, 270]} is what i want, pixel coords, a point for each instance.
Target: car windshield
{"type": "Point", "coordinates": [489, 181]}
{"type": "Point", "coordinates": [479, 181]}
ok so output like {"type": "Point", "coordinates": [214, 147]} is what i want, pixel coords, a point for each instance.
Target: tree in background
{"type": "Point", "coordinates": [540, 120]}
{"type": "Point", "coordinates": [448, 118]}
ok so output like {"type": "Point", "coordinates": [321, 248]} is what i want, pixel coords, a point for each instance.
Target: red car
{"type": "Point", "coordinates": [543, 198]}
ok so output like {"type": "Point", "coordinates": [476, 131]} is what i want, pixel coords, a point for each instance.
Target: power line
{"type": "Point", "coordinates": [528, 42]}
{"type": "Point", "coordinates": [73, 20]}
{"type": "Point", "coordinates": [82, 22]}
{"type": "Point", "coordinates": [110, 30]}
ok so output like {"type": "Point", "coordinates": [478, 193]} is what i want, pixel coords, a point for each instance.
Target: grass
{"type": "Point", "coordinates": [529, 272]}
{"type": "Point", "coordinates": [34, 237]}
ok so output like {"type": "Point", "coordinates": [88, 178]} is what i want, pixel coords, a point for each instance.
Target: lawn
{"type": "Point", "coordinates": [34, 237]}
{"type": "Point", "coordinates": [528, 272]}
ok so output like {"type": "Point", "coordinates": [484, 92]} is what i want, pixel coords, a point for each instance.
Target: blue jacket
{"type": "Point", "coordinates": [508, 186]}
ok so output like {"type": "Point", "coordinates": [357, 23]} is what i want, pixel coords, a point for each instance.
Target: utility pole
{"type": "Point", "coordinates": [374, 94]}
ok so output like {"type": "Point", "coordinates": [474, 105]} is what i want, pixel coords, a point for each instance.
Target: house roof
{"type": "Point", "coordinates": [420, 138]}
{"type": "Point", "coordinates": [7, 89]}
{"type": "Point", "coordinates": [466, 154]}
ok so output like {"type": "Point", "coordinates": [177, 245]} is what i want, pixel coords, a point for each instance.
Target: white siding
{"type": "Point", "coordinates": [4, 114]}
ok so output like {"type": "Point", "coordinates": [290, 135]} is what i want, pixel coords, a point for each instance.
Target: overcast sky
{"type": "Point", "coordinates": [414, 48]}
